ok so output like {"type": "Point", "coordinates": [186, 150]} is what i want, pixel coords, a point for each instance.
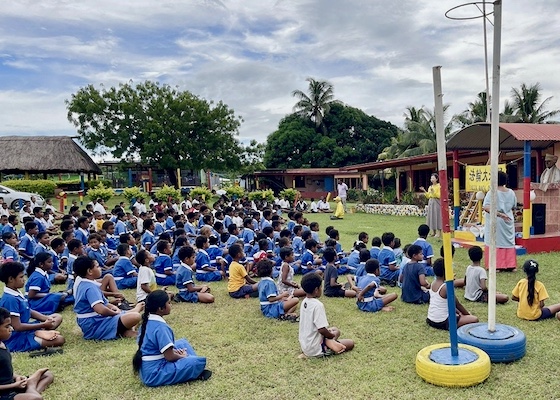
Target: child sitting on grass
{"type": "Point", "coordinates": [286, 281]}
{"type": "Point", "coordinates": [370, 291]}
{"type": "Point", "coordinates": [124, 272]}
{"type": "Point", "coordinates": [188, 291]}
{"type": "Point", "coordinates": [27, 336]}
{"type": "Point", "coordinates": [146, 282]}
{"type": "Point", "coordinates": [274, 305]}
{"type": "Point", "coordinates": [413, 278]}
{"type": "Point", "coordinates": [315, 337]}
{"type": "Point", "coordinates": [438, 312]}
{"type": "Point", "coordinates": [475, 280]}
{"type": "Point", "coordinates": [14, 386]}
{"type": "Point", "coordinates": [332, 287]}
{"type": "Point", "coordinates": [160, 360]}
{"type": "Point", "coordinates": [240, 285]}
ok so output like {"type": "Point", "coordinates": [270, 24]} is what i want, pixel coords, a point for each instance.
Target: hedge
{"type": "Point", "coordinates": [42, 187]}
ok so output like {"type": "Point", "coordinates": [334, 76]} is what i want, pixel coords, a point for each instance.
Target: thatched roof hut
{"type": "Point", "coordinates": [43, 154]}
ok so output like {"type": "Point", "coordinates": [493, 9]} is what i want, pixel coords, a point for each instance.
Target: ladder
{"type": "Point", "coordinates": [470, 213]}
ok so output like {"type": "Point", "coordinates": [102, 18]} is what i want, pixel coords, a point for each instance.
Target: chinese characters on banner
{"type": "Point", "coordinates": [478, 177]}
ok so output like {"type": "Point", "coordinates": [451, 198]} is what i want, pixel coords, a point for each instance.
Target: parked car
{"type": "Point", "coordinates": [13, 197]}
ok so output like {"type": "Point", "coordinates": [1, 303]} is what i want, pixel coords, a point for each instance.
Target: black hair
{"type": "Point", "coordinates": [30, 225]}
{"type": "Point", "coordinates": [452, 251]}
{"type": "Point", "coordinates": [159, 215]}
{"type": "Point", "coordinates": [80, 221]}
{"type": "Point", "coordinates": [333, 233]}
{"type": "Point", "coordinates": [107, 224]}
{"type": "Point", "coordinates": [207, 219]}
{"type": "Point", "coordinates": [224, 237]}
{"type": "Point", "coordinates": [200, 241]}
{"type": "Point", "coordinates": [330, 243]}
{"type": "Point", "coordinates": [310, 282]}
{"type": "Point", "coordinates": [12, 218]}
{"type": "Point", "coordinates": [475, 253]}
{"type": "Point", "coordinates": [297, 229]}
{"type": "Point", "coordinates": [423, 230]}
{"type": "Point", "coordinates": [359, 245]}
{"type": "Point", "coordinates": [74, 244]}
{"type": "Point", "coordinates": [162, 245]}
{"type": "Point", "coordinates": [4, 315]}
{"type": "Point", "coordinates": [328, 229]}
{"type": "Point", "coordinates": [283, 242]}
{"type": "Point", "coordinates": [264, 268]}
{"type": "Point", "coordinates": [81, 266]}
{"type": "Point", "coordinates": [371, 266]}
{"type": "Point", "coordinates": [329, 254]}
{"type": "Point", "coordinates": [180, 242]}
{"type": "Point", "coordinates": [376, 241]}
{"type": "Point", "coordinates": [213, 240]}
{"type": "Point", "coordinates": [531, 267]}
{"type": "Point", "coordinates": [147, 224]}
{"type": "Point", "coordinates": [413, 249]}
{"type": "Point", "coordinates": [231, 228]}
{"type": "Point", "coordinates": [248, 222]}
{"type": "Point", "coordinates": [95, 236]}
{"type": "Point", "coordinates": [40, 235]}
{"type": "Point", "coordinates": [387, 238]}
{"type": "Point", "coordinates": [57, 242]}
{"type": "Point", "coordinates": [234, 250]}
{"type": "Point", "coordinates": [142, 256]}
{"type": "Point", "coordinates": [66, 234]}
{"type": "Point", "coordinates": [364, 255]}
{"type": "Point", "coordinates": [39, 258]}
{"type": "Point", "coordinates": [66, 225]}
{"type": "Point", "coordinates": [310, 243]}
{"type": "Point", "coordinates": [439, 268]}
{"type": "Point", "coordinates": [7, 235]}
{"type": "Point", "coordinates": [185, 252]}
{"type": "Point", "coordinates": [396, 243]}
{"type": "Point", "coordinates": [122, 249]}
{"type": "Point", "coordinates": [285, 233]}
{"type": "Point", "coordinates": [285, 252]}
{"type": "Point", "coordinates": [306, 235]}
{"type": "Point", "coordinates": [362, 236]}
{"type": "Point", "coordinates": [155, 301]}
{"type": "Point", "coordinates": [313, 225]}
{"type": "Point", "coordinates": [10, 269]}
{"type": "Point", "coordinates": [260, 236]}
{"type": "Point", "coordinates": [268, 230]}
{"type": "Point", "coordinates": [124, 237]}
{"type": "Point", "coordinates": [218, 226]}
{"type": "Point", "coordinates": [502, 178]}
{"type": "Point", "coordinates": [263, 244]}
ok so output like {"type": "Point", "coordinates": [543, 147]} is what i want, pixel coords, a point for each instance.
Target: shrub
{"type": "Point", "coordinates": [354, 195]}
{"type": "Point", "coordinates": [290, 194]}
{"type": "Point", "coordinates": [134, 193]}
{"type": "Point", "coordinates": [94, 182]}
{"type": "Point", "coordinates": [100, 192]}
{"type": "Point", "coordinates": [45, 188]}
{"type": "Point", "coordinates": [202, 191]}
{"type": "Point", "coordinates": [267, 195]}
{"type": "Point", "coordinates": [235, 192]}
{"type": "Point", "coordinates": [168, 192]}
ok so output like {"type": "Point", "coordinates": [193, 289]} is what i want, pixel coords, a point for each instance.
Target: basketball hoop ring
{"type": "Point", "coordinates": [476, 4]}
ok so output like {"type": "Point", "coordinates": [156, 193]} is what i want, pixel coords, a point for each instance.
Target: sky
{"type": "Point", "coordinates": [252, 54]}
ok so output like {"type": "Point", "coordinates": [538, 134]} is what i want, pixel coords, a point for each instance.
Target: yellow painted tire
{"type": "Point", "coordinates": [464, 375]}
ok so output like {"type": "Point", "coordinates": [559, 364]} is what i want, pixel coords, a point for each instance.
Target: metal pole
{"type": "Point", "coordinates": [494, 149]}
{"type": "Point", "coordinates": [486, 63]}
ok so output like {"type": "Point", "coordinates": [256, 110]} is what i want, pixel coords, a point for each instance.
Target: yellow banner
{"type": "Point", "coordinates": [478, 177]}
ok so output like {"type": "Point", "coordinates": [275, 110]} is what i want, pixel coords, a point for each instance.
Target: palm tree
{"type": "Point", "coordinates": [525, 102]}
{"type": "Point", "coordinates": [316, 103]}
{"type": "Point", "coordinates": [508, 115]}
{"type": "Point", "coordinates": [476, 112]}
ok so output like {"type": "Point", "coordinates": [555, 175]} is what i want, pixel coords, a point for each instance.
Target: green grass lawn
{"type": "Point", "coordinates": [256, 358]}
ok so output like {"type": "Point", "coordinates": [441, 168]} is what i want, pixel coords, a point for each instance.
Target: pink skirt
{"type": "Point", "coordinates": [506, 258]}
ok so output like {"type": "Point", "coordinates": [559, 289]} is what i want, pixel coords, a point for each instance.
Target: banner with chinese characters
{"type": "Point", "coordinates": [478, 177]}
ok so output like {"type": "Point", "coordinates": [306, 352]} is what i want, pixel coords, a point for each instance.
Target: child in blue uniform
{"type": "Point", "coordinates": [98, 319]}
{"type": "Point", "coordinates": [14, 386]}
{"type": "Point", "coordinates": [204, 271]}
{"type": "Point", "coordinates": [188, 291]}
{"type": "Point", "coordinates": [26, 336]}
{"type": "Point", "coordinates": [9, 252]}
{"type": "Point", "coordinates": [274, 305]}
{"type": "Point", "coordinates": [124, 272]}
{"type": "Point", "coordinates": [369, 295]}
{"type": "Point", "coordinates": [390, 270]}
{"type": "Point", "coordinates": [160, 360]}
{"type": "Point", "coordinates": [38, 286]}
{"type": "Point", "coordinates": [163, 265]}
{"type": "Point", "coordinates": [28, 243]}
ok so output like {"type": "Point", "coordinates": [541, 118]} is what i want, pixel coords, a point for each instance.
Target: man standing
{"type": "Point", "coordinates": [551, 174]}
{"type": "Point", "coordinates": [342, 190]}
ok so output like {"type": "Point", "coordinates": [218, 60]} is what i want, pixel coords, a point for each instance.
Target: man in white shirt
{"type": "Point", "coordinates": [313, 206]}
{"type": "Point", "coordinates": [323, 206]}
{"type": "Point", "coordinates": [99, 207]}
{"type": "Point", "coordinates": [551, 174]}
{"type": "Point", "coordinates": [4, 208]}
{"type": "Point", "coordinates": [342, 190]}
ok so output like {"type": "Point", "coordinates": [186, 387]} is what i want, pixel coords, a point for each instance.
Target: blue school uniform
{"type": "Point", "coordinates": [28, 245]}
{"type": "Point", "coordinates": [227, 221]}
{"type": "Point", "coordinates": [175, 259]}
{"type": "Point", "coordinates": [39, 281]}
{"type": "Point", "coordinates": [202, 260]}
{"type": "Point", "coordinates": [386, 258]}
{"type": "Point", "coordinates": [184, 277]}
{"type": "Point", "coordinates": [123, 273]}
{"type": "Point", "coordinates": [40, 225]}
{"type": "Point", "coordinates": [232, 239]}
{"type": "Point", "coordinates": [70, 271]}
{"type": "Point", "coordinates": [361, 270]}
{"type": "Point", "coordinates": [264, 223]}
{"type": "Point", "coordinates": [97, 255]}
{"type": "Point", "coordinates": [9, 228]}
{"type": "Point", "coordinates": [111, 243]}
{"type": "Point", "coordinates": [148, 239]}
{"type": "Point", "coordinates": [267, 289]}
{"type": "Point", "coordinates": [21, 233]}
{"type": "Point", "coordinates": [155, 369]}
{"type": "Point", "coordinates": [159, 229]}
{"type": "Point", "coordinates": [169, 224]}
{"type": "Point", "coordinates": [9, 253]}
{"type": "Point", "coordinates": [215, 254]}
{"type": "Point", "coordinates": [291, 225]}
{"type": "Point", "coordinates": [248, 237]}
{"type": "Point", "coordinates": [17, 305]}
{"type": "Point", "coordinates": [164, 263]}
{"type": "Point", "coordinates": [41, 248]}
{"type": "Point", "coordinates": [299, 247]}
{"type": "Point", "coordinates": [370, 303]}
{"type": "Point", "coordinates": [354, 260]}
{"type": "Point", "coordinates": [82, 235]}
{"type": "Point", "coordinates": [191, 230]}
{"type": "Point", "coordinates": [307, 262]}
{"type": "Point", "coordinates": [93, 325]}
{"type": "Point", "coordinates": [120, 228]}
{"type": "Point", "coordinates": [374, 252]}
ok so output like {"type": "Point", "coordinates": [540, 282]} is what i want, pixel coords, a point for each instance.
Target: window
{"type": "Point", "coordinates": [300, 181]}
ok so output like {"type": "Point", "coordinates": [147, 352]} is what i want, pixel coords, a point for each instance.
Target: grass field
{"type": "Point", "coordinates": [256, 358]}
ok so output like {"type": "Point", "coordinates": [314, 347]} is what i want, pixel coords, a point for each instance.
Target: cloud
{"type": "Point", "coordinates": [252, 54]}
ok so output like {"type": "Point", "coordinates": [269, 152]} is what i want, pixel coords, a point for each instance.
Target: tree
{"type": "Point", "coordinates": [317, 103]}
{"type": "Point", "coordinates": [476, 112]}
{"type": "Point", "coordinates": [252, 157]}
{"type": "Point", "coordinates": [160, 124]}
{"type": "Point", "coordinates": [354, 137]}
{"type": "Point", "coordinates": [525, 102]}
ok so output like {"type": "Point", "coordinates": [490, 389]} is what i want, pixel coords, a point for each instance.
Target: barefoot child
{"type": "Point", "coordinates": [26, 336]}
{"type": "Point", "coordinates": [160, 360]}
{"type": "Point", "coordinates": [370, 291]}
{"type": "Point", "coordinates": [531, 294]}
{"type": "Point", "coordinates": [188, 291]}
{"type": "Point", "coordinates": [438, 313]}
{"type": "Point", "coordinates": [286, 277]}
{"type": "Point", "coordinates": [475, 280]}
{"type": "Point", "coordinates": [332, 287]}
{"type": "Point", "coordinates": [14, 386]}
{"type": "Point", "coordinates": [97, 318]}
{"type": "Point", "coordinates": [315, 337]}
{"type": "Point", "coordinates": [274, 305]}
{"type": "Point", "coordinates": [240, 285]}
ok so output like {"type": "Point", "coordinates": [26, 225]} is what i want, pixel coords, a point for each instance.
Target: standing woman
{"type": "Point", "coordinates": [506, 258]}
{"type": "Point", "coordinates": [433, 212]}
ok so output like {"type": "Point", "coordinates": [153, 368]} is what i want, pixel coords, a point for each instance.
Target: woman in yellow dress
{"type": "Point", "coordinates": [433, 210]}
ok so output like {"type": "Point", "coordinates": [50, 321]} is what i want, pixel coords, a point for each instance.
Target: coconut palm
{"type": "Point", "coordinates": [475, 113]}
{"type": "Point", "coordinates": [525, 102]}
{"type": "Point", "coordinates": [316, 103]}
{"type": "Point", "coordinates": [508, 115]}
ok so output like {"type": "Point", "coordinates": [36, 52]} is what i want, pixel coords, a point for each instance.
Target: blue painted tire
{"type": "Point", "coordinates": [505, 345]}
{"type": "Point", "coordinates": [470, 373]}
